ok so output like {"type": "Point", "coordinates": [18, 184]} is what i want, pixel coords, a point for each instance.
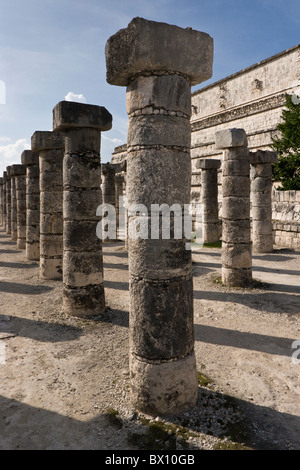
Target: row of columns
{"type": "Point", "coordinates": [158, 80]}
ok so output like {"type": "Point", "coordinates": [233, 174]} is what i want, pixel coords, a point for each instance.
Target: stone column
{"type": "Point", "coordinates": [8, 200]}
{"type": "Point", "coordinates": [20, 180]}
{"type": "Point", "coordinates": [50, 146]}
{"type": "Point", "coordinates": [83, 291]}
{"type": "Point", "coordinates": [261, 200]}
{"type": "Point", "coordinates": [236, 244]}
{"type": "Point", "coordinates": [1, 200]}
{"type": "Point", "coordinates": [31, 161]}
{"type": "Point", "coordinates": [209, 199]}
{"type": "Point", "coordinates": [4, 199]}
{"type": "Point", "coordinates": [158, 63]}
{"type": "Point", "coordinates": [13, 205]}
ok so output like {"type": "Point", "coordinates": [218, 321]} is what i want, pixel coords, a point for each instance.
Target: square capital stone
{"type": "Point", "coordinates": [8, 171]}
{"type": "Point", "coordinates": [18, 170]}
{"type": "Point", "coordinates": [148, 46]}
{"type": "Point", "coordinates": [47, 140]}
{"type": "Point", "coordinates": [263, 156]}
{"type": "Point", "coordinates": [208, 163]}
{"type": "Point", "coordinates": [69, 114]}
{"type": "Point", "coordinates": [28, 157]}
{"type": "Point", "coordinates": [228, 138]}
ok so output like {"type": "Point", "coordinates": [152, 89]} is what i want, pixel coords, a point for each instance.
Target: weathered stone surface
{"type": "Point", "coordinates": [159, 259]}
{"type": "Point", "coordinates": [236, 230]}
{"type": "Point", "coordinates": [167, 92]}
{"type": "Point", "coordinates": [263, 156]}
{"type": "Point", "coordinates": [234, 208]}
{"type": "Point", "coordinates": [50, 146]}
{"type": "Point", "coordinates": [235, 167]}
{"type": "Point", "coordinates": [236, 277]}
{"type": "Point", "coordinates": [151, 130]}
{"type": "Point", "coordinates": [82, 269]}
{"type": "Point", "coordinates": [46, 140]}
{"type": "Point", "coordinates": [208, 164]}
{"type": "Point", "coordinates": [84, 301]}
{"type": "Point", "coordinates": [236, 255]}
{"type": "Point", "coordinates": [83, 292]}
{"type": "Point", "coordinates": [236, 246]}
{"type": "Point", "coordinates": [138, 49]}
{"type": "Point", "coordinates": [236, 187]}
{"type": "Point", "coordinates": [28, 157]}
{"type": "Point", "coordinates": [164, 388]}
{"type": "Point", "coordinates": [163, 174]}
{"type": "Point", "coordinates": [68, 114]}
{"type": "Point", "coordinates": [158, 83]}
{"type": "Point", "coordinates": [228, 138]}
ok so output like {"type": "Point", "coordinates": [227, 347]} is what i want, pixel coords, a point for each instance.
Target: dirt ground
{"type": "Point", "coordinates": [64, 382]}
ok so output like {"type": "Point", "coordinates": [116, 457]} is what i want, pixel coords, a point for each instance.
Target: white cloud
{"type": "Point", "coordinates": [75, 97]}
{"type": "Point", "coordinates": [11, 153]}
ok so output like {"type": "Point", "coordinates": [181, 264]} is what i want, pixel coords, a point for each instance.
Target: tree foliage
{"type": "Point", "coordinates": [287, 145]}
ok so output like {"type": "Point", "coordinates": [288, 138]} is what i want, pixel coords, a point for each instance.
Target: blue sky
{"type": "Point", "coordinates": [53, 49]}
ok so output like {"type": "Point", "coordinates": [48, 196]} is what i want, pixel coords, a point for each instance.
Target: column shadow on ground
{"type": "Point", "coordinates": [33, 428]}
{"type": "Point", "coordinates": [23, 289]}
{"type": "Point", "coordinates": [39, 330]}
{"type": "Point", "coordinates": [243, 340]}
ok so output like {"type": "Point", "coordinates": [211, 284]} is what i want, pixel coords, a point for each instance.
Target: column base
{"type": "Point", "coordinates": [85, 301]}
{"type": "Point", "coordinates": [236, 277]}
{"type": "Point", "coordinates": [163, 389]}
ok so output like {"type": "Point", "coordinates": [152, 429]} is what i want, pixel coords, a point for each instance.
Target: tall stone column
{"type": "Point", "coordinates": [20, 180]}
{"type": "Point", "coordinates": [50, 146]}
{"type": "Point", "coordinates": [236, 244]}
{"type": "Point", "coordinates": [8, 200]}
{"type": "Point", "coordinates": [158, 63]}
{"type": "Point", "coordinates": [31, 161]}
{"type": "Point", "coordinates": [83, 291]}
{"type": "Point", "coordinates": [13, 206]}
{"type": "Point", "coordinates": [261, 200]}
{"type": "Point", "coordinates": [4, 199]}
{"type": "Point", "coordinates": [209, 199]}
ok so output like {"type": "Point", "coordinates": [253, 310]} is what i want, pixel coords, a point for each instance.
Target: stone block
{"type": "Point", "coordinates": [18, 170]}
{"type": "Point", "coordinates": [208, 163]}
{"type": "Point", "coordinates": [159, 130]}
{"type": "Point", "coordinates": [165, 333]}
{"type": "Point", "coordinates": [228, 138]}
{"type": "Point", "coordinates": [166, 388]}
{"type": "Point", "coordinates": [167, 92]}
{"type": "Point", "coordinates": [159, 259]}
{"type": "Point", "coordinates": [237, 186]}
{"type": "Point", "coordinates": [29, 158]}
{"type": "Point", "coordinates": [46, 140]}
{"type": "Point", "coordinates": [263, 156]}
{"type": "Point", "coordinates": [151, 46]}
{"type": "Point", "coordinates": [68, 114]}
{"type": "Point", "coordinates": [164, 176]}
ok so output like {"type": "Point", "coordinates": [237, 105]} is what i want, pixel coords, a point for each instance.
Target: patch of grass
{"type": "Point", "coordinates": [213, 244]}
{"type": "Point", "coordinates": [113, 418]}
{"type": "Point", "coordinates": [159, 435]}
{"type": "Point", "coordinates": [203, 379]}
{"type": "Point", "coordinates": [228, 445]}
